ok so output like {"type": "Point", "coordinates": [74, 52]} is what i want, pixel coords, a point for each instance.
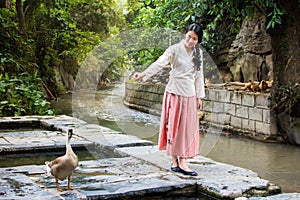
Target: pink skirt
{"type": "Point", "coordinates": [179, 127]}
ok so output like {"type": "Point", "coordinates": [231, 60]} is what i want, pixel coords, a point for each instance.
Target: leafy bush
{"type": "Point", "coordinates": [141, 59]}
{"type": "Point", "coordinates": [22, 96]}
{"type": "Point", "coordinates": [220, 19]}
{"type": "Point", "coordinates": [286, 99]}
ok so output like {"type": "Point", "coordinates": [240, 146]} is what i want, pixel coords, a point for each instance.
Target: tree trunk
{"type": "Point", "coordinates": [21, 17]}
{"type": "Point", "coordinates": [5, 3]}
{"type": "Point", "coordinates": [286, 58]}
{"type": "Point", "coordinates": [285, 45]}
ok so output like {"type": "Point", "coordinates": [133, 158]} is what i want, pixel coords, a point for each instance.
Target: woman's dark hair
{"type": "Point", "coordinates": [197, 29]}
{"type": "Point", "coordinates": [196, 57]}
{"type": "Point", "coordinates": [196, 54]}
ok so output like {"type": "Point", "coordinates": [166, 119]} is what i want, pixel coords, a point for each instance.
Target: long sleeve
{"type": "Point", "coordinates": [184, 80]}
{"type": "Point", "coordinates": [162, 61]}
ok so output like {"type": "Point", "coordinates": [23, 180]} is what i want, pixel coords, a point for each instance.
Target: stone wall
{"type": "Point", "coordinates": [144, 97]}
{"type": "Point", "coordinates": [239, 112]}
{"type": "Point", "coordinates": [247, 112]}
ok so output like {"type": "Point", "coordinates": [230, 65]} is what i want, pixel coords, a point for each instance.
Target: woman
{"type": "Point", "coordinates": [179, 128]}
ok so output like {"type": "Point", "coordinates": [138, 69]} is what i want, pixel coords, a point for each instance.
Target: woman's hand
{"type": "Point", "coordinates": [199, 103]}
{"type": "Point", "coordinates": [138, 75]}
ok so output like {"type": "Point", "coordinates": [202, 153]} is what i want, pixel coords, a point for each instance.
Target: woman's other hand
{"type": "Point", "coordinates": [138, 76]}
{"type": "Point", "coordinates": [199, 103]}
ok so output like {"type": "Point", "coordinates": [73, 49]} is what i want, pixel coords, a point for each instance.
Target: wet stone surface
{"type": "Point", "coordinates": [290, 196]}
{"type": "Point", "coordinates": [215, 178]}
{"type": "Point", "coordinates": [107, 178]}
{"type": "Point", "coordinates": [19, 186]}
{"type": "Point", "coordinates": [131, 168]}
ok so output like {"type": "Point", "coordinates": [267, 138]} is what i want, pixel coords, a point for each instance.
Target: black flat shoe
{"type": "Point", "coordinates": [190, 173]}
{"type": "Point", "coordinates": [175, 169]}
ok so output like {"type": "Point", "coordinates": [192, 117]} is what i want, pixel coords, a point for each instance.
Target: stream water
{"type": "Point", "coordinates": [278, 163]}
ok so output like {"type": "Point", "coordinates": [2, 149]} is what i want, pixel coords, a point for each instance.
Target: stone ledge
{"type": "Point", "coordinates": [288, 196]}
{"type": "Point", "coordinates": [217, 179]}
{"type": "Point", "coordinates": [51, 135]}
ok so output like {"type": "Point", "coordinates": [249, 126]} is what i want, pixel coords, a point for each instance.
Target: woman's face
{"type": "Point", "coordinates": [191, 39]}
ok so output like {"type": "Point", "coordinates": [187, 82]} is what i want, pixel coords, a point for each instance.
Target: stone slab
{"type": "Point", "coordinates": [37, 140]}
{"type": "Point", "coordinates": [219, 179]}
{"type": "Point", "coordinates": [20, 186]}
{"type": "Point", "coordinates": [84, 135]}
{"type": "Point", "coordinates": [99, 179]}
{"type": "Point", "coordinates": [285, 196]}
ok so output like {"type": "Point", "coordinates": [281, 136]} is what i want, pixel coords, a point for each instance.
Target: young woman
{"type": "Point", "coordinates": [179, 128]}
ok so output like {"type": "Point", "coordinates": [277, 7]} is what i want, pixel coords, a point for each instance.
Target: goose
{"type": "Point", "coordinates": [63, 166]}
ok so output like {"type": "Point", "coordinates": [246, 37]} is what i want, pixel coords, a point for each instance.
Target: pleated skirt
{"type": "Point", "coordinates": [179, 126]}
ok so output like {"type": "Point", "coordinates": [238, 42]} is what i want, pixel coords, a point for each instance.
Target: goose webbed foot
{"type": "Point", "coordinates": [58, 187]}
{"type": "Point", "coordinates": [69, 184]}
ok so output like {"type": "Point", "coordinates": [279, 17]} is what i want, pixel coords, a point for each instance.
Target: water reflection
{"type": "Point", "coordinates": [275, 162]}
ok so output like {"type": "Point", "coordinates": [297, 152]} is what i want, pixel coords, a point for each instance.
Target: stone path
{"type": "Point", "coordinates": [125, 167]}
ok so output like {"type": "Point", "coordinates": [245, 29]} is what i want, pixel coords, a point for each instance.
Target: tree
{"type": "Point", "coordinates": [51, 38]}
{"type": "Point", "coordinates": [20, 12]}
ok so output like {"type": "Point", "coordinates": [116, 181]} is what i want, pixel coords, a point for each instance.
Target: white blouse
{"type": "Point", "coordinates": [184, 79]}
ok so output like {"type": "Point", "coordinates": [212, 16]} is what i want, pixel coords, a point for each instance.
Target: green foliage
{"type": "Point", "coordinates": [60, 44]}
{"type": "Point", "coordinates": [59, 35]}
{"type": "Point", "coordinates": [86, 24]}
{"type": "Point", "coordinates": [142, 58]}
{"type": "Point", "coordinates": [286, 99]}
{"type": "Point", "coordinates": [271, 8]}
{"type": "Point", "coordinates": [22, 96]}
{"type": "Point", "coordinates": [220, 19]}
{"type": "Point", "coordinates": [172, 14]}
{"type": "Point", "coordinates": [16, 55]}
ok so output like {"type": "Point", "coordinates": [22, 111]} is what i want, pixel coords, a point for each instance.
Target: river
{"type": "Point", "coordinates": [278, 163]}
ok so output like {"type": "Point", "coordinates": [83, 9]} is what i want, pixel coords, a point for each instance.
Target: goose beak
{"type": "Point", "coordinates": [70, 133]}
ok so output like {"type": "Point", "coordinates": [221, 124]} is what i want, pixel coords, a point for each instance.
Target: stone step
{"type": "Point", "coordinates": [217, 179]}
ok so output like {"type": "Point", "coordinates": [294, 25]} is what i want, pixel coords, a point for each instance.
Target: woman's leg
{"type": "Point", "coordinates": [183, 165]}
{"type": "Point", "coordinates": [175, 161]}
{"type": "Point", "coordinates": [183, 168]}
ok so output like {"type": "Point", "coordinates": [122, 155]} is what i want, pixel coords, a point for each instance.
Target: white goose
{"type": "Point", "coordinates": [64, 166]}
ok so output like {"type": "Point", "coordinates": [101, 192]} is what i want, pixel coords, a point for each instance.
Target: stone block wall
{"type": "Point", "coordinates": [241, 111]}
{"type": "Point", "coordinates": [144, 96]}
